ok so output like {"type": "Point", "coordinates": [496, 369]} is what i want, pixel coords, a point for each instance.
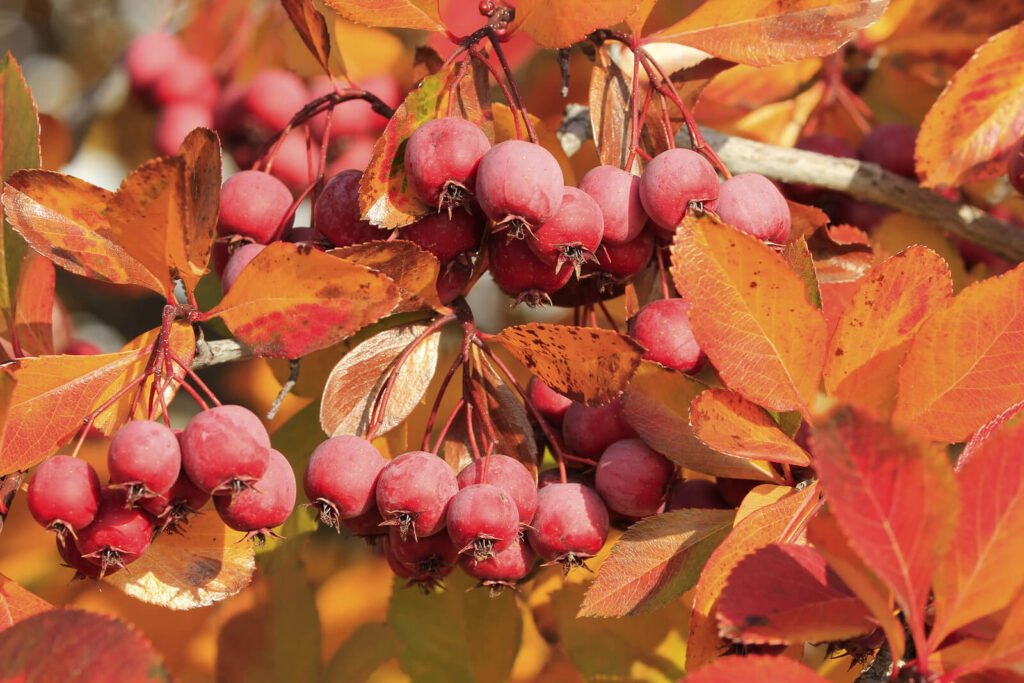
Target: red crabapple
{"type": "Point", "coordinates": [520, 274]}
{"type": "Point", "coordinates": [425, 574]}
{"type": "Point", "coordinates": [571, 524]}
{"type": "Point", "coordinates": [482, 520]}
{"type": "Point", "coordinates": [356, 117]}
{"type": "Point", "coordinates": [144, 459]}
{"type": "Point", "coordinates": [356, 154]}
{"type": "Point", "coordinates": [273, 97]}
{"type": "Point", "coordinates": [64, 494]}
{"type": "Point", "coordinates": [175, 122]}
{"type": "Point", "coordinates": [368, 525]}
{"type": "Point", "coordinates": [663, 328]}
{"type": "Point", "coordinates": [503, 569]}
{"type": "Point", "coordinates": [549, 403]}
{"type": "Point", "coordinates": [452, 281]}
{"type": "Point", "coordinates": [623, 261]}
{"type": "Point", "coordinates": [441, 160]}
{"type": "Point", "coordinates": [752, 203]}
{"type": "Point", "coordinates": [241, 258]}
{"type": "Point", "coordinates": [1015, 167]}
{"type": "Point", "coordinates": [572, 234]}
{"type": "Point", "coordinates": [617, 193]}
{"type": "Point", "coordinates": [341, 478]}
{"type": "Point", "coordinates": [519, 186]}
{"type": "Point", "coordinates": [190, 79]}
{"type": "Point", "coordinates": [266, 504]}
{"type": "Point", "coordinates": [891, 146]}
{"type": "Point", "coordinates": [572, 476]}
{"type": "Point", "coordinates": [426, 555]}
{"type": "Point", "coordinates": [253, 204]}
{"type": "Point", "coordinates": [173, 509]}
{"type": "Point", "coordinates": [509, 475]}
{"type": "Point", "coordinates": [291, 164]}
{"type": "Point", "coordinates": [118, 535]}
{"type": "Point", "coordinates": [413, 492]}
{"type": "Point", "coordinates": [445, 235]}
{"type": "Point", "coordinates": [225, 449]}
{"type": "Point", "coordinates": [674, 180]}
{"type": "Point", "coordinates": [149, 57]}
{"type": "Point", "coordinates": [84, 569]}
{"type": "Point", "coordinates": [336, 213]}
{"type": "Point", "coordinates": [81, 347]}
{"type": "Point", "coordinates": [694, 493]}
{"type": "Point", "coordinates": [735, 490]}
{"type": "Point", "coordinates": [228, 114]}
{"type": "Point", "coordinates": [633, 478]}
{"type": "Point", "coordinates": [588, 430]}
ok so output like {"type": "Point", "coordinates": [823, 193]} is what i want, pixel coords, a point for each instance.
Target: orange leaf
{"type": "Point", "coordinates": [638, 15]}
{"type": "Point", "coordinates": [763, 32]}
{"type": "Point", "coordinates": [874, 332]}
{"type": "Point", "coordinates": [312, 28]}
{"type": "Point", "coordinates": [867, 471]}
{"type": "Point", "coordinates": [1008, 648]}
{"type": "Point", "coordinates": [609, 97]}
{"type": "Point", "coordinates": [586, 364]}
{"type": "Point", "coordinates": [979, 575]}
{"type": "Point", "coordinates": [755, 668]}
{"type": "Point", "coordinates": [733, 425]}
{"type": "Point", "coordinates": [291, 301]}
{"type": "Point", "coordinates": [655, 561]}
{"type": "Point", "coordinates": [201, 187]}
{"type": "Point", "coordinates": [771, 524]}
{"type": "Point", "coordinates": [978, 117]}
{"type": "Point", "coordinates": [414, 270]}
{"type": "Point", "coordinates": [33, 309]}
{"type": "Point", "coordinates": [405, 14]}
{"type": "Point", "coordinates": [16, 603]}
{"type": "Point", "coordinates": [750, 314]}
{"type": "Point", "coordinates": [966, 363]}
{"type": "Point", "coordinates": [562, 23]}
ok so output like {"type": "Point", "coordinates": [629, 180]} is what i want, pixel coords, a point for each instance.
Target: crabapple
{"type": "Point", "coordinates": [694, 493]}
{"type": "Point", "coordinates": [432, 566]}
{"type": "Point", "coordinates": [623, 261]}
{"type": "Point", "coordinates": [674, 180]}
{"type": "Point", "coordinates": [341, 478]}
{"type": "Point", "coordinates": [81, 347]}
{"type": "Point", "coordinates": [263, 506]}
{"type": "Point", "coordinates": [452, 281]}
{"type": "Point", "coordinates": [253, 204]}
{"type": "Point", "coordinates": [148, 57]}
{"type": "Point", "coordinates": [519, 186]}
{"type": "Point", "coordinates": [144, 459]}
{"type": "Point", "coordinates": [633, 478]}
{"type": "Point", "coordinates": [588, 430]}
{"type": "Point", "coordinates": [752, 203]}
{"type": "Point", "coordinates": [735, 490]}
{"type": "Point", "coordinates": [509, 475]}
{"type": "Point", "coordinates": [302, 236]}
{"type": "Point", "coordinates": [520, 274]}
{"type": "Point", "coordinates": [662, 327]}
{"type": "Point", "coordinates": [273, 97]}
{"type": "Point", "coordinates": [291, 162]}
{"type": "Point", "coordinates": [482, 520]}
{"type": "Point", "coordinates": [571, 524]}
{"type": "Point", "coordinates": [572, 476]}
{"type": "Point", "coordinates": [189, 79]}
{"type": "Point", "coordinates": [441, 160]}
{"type": "Point", "coordinates": [549, 403]}
{"type": "Point", "coordinates": [617, 193]}
{"type": "Point", "coordinates": [225, 449]}
{"type": "Point", "coordinates": [1015, 167]}
{"type": "Point", "coordinates": [173, 509]}
{"type": "Point", "coordinates": [443, 235]}
{"type": "Point", "coordinates": [175, 122]}
{"type": "Point", "coordinates": [357, 117]}
{"type": "Point", "coordinates": [118, 535]}
{"type": "Point", "coordinates": [891, 146]}
{"type": "Point", "coordinates": [413, 492]}
{"type": "Point", "coordinates": [572, 234]}
{"type": "Point", "coordinates": [356, 154]}
{"type": "Point", "coordinates": [241, 258]}
{"type": "Point", "coordinates": [504, 568]}
{"type": "Point", "coordinates": [336, 213]}
{"type": "Point", "coordinates": [424, 554]}
{"type": "Point", "coordinates": [84, 569]}
{"type": "Point", "coordinates": [228, 113]}
{"type": "Point", "coordinates": [367, 525]}
{"type": "Point", "coordinates": [64, 494]}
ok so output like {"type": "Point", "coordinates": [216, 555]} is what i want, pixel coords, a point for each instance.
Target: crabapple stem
{"type": "Point", "coordinates": [194, 377]}
{"type": "Point", "coordinates": [518, 101]}
{"type": "Point", "coordinates": [475, 52]}
{"type": "Point", "coordinates": [91, 417]}
{"type": "Point", "coordinates": [608, 316]}
{"type": "Point", "coordinates": [293, 377]}
{"type": "Point", "coordinates": [473, 448]}
{"type": "Point", "coordinates": [447, 425]}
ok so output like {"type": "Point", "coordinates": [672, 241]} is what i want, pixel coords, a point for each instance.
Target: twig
{"type": "Point", "coordinates": [293, 377]}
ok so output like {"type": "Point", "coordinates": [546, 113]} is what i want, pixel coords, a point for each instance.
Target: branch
{"type": "Point", "coordinates": [218, 351]}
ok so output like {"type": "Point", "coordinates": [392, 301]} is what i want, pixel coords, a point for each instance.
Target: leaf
{"type": "Point", "coordinates": [560, 24]}
{"type": "Point", "coordinates": [423, 15]}
{"type": "Point", "coordinates": [785, 593]}
{"type": "Point", "coordinates": [978, 576]}
{"type": "Point", "coordinates": [477, 644]}
{"type": "Point", "coordinates": [801, 261]}
{"type": "Point", "coordinates": [291, 301]}
{"type": "Point", "coordinates": [33, 309]}
{"type": "Point", "coordinates": [312, 28]}
{"type": "Point", "coordinates": [512, 427]}
{"type": "Point", "coordinates": [17, 603]}
{"type": "Point", "coordinates": [773, 523]}
{"type": "Point", "coordinates": [1008, 648]}
{"type": "Point", "coordinates": [609, 97]}
{"type": "Point", "coordinates": [866, 470]}
{"type": "Point", "coordinates": [412, 269]}
{"type": "Point", "coordinates": [201, 187]}
{"type": "Point", "coordinates": [730, 424]}
{"type": "Point", "coordinates": [897, 231]}
{"type": "Point", "coordinates": [657, 406]}
{"type": "Point", "coordinates": [201, 567]}
{"type": "Point", "coordinates": [50, 398]}
{"type": "Point", "coordinates": [764, 32]}
{"type": "Point", "coordinates": [586, 364]}
{"type": "Point", "coordinates": [369, 647]}
{"type": "Point", "coordinates": [874, 333]}
{"type": "Point", "coordinates": [750, 314]}
{"type": "Point", "coordinates": [359, 376]}
{"type": "Point", "coordinates": [966, 363]}
{"type": "Point", "coordinates": [74, 646]}
{"type": "Point", "coordinates": [755, 668]}
{"type": "Point", "coordinates": [655, 561]}
{"type": "Point", "coordinates": [978, 117]}
{"type": "Point", "coordinates": [384, 195]}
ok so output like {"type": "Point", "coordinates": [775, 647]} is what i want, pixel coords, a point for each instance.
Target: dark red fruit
{"type": "Point", "coordinates": [617, 193]}
{"type": "Point", "coordinates": [445, 236]}
{"type": "Point", "coordinates": [176, 122]}
{"type": "Point", "coordinates": [503, 569]}
{"type": "Point", "coordinates": [356, 154]}
{"type": "Point", "coordinates": [84, 569]}
{"type": "Point", "coordinates": [633, 478]}
{"type": "Point", "coordinates": [891, 146]}
{"type": "Point", "coordinates": [519, 186]}
{"type": "Point", "coordinates": [441, 160]}
{"type": "Point", "coordinates": [452, 281]}
{"type": "Point", "coordinates": [225, 449]}
{"type": "Point", "coordinates": [174, 508]}
{"type": "Point", "coordinates": [64, 494]}
{"type": "Point", "coordinates": [482, 520]}
{"type": "Point", "coordinates": [273, 97]}
{"type": "Point", "coordinates": [663, 328]}
{"type": "Point", "coordinates": [426, 574]}
{"type": "Point", "coordinates": [81, 347]}
{"type": "Point", "coordinates": [572, 234]}
{"type": "Point", "coordinates": [588, 430]}
{"type": "Point", "coordinates": [356, 117]}
{"type": "Point", "coordinates": [694, 493]}
{"type": "Point", "coordinates": [752, 203]}
{"type": "Point", "coordinates": [623, 261]}
{"type": "Point", "coordinates": [572, 476]}
{"type": "Point", "coordinates": [571, 524]}
{"type": "Point", "coordinates": [291, 164]}
{"type": "Point", "coordinates": [520, 274]}
{"type": "Point", "coordinates": [509, 475]}
{"type": "Point", "coordinates": [253, 204]}
{"type": "Point", "coordinates": [367, 525]}
{"type": "Point", "coordinates": [863, 215]}
{"type": "Point", "coordinates": [429, 554]}
{"type": "Point", "coordinates": [118, 535]}
{"type": "Point", "coordinates": [735, 490]}
{"type": "Point", "coordinates": [413, 492]}
{"type": "Point", "coordinates": [341, 478]}
{"type": "Point", "coordinates": [266, 504]}
{"type": "Point", "coordinates": [149, 57]}
{"type": "Point", "coordinates": [551, 404]}
{"type": "Point", "coordinates": [144, 459]}
{"type": "Point", "coordinates": [241, 258]}
{"type": "Point", "coordinates": [826, 143]}
{"type": "Point", "coordinates": [336, 213]}
{"type": "Point", "coordinates": [190, 79]}
{"type": "Point", "coordinates": [672, 182]}
{"type": "Point", "coordinates": [1015, 167]}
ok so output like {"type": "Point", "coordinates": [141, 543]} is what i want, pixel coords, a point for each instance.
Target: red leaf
{"type": "Point", "coordinates": [755, 668]}
{"type": "Point", "coordinates": [895, 499]}
{"type": "Point", "coordinates": [16, 603]}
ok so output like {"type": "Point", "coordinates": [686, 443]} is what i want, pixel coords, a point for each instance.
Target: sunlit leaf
{"type": "Point", "coordinates": [201, 187]}
{"type": "Point", "coordinates": [17, 603]}
{"type": "Point", "coordinates": [407, 14]}
{"type": "Point", "coordinates": [33, 308]}
{"type": "Point", "coordinates": [414, 270]}
{"type": "Point", "coordinates": [312, 28]}
{"type": "Point", "coordinates": [560, 24]}
{"type": "Point", "coordinates": [755, 668]}
{"type": "Point", "coordinates": [733, 425]}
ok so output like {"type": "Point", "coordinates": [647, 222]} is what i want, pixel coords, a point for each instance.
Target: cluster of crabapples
{"type": "Point", "coordinates": [159, 477]}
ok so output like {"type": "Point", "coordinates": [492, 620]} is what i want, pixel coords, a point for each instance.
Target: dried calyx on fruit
{"type": "Point", "coordinates": [413, 492]}
{"type": "Point", "coordinates": [519, 186]}
{"type": "Point", "coordinates": [341, 479]}
{"type": "Point", "coordinates": [441, 160]}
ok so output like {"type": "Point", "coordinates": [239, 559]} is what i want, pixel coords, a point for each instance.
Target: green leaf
{"type": "Point", "coordinates": [370, 647]}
